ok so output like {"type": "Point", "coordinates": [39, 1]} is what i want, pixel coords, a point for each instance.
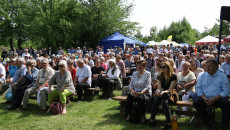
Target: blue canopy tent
{"type": "Point", "coordinates": [184, 44]}
{"type": "Point", "coordinates": [137, 41]}
{"type": "Point", "coordinates": [116, 39]}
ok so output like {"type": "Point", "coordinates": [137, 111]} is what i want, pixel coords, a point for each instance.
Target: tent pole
{"type": "Point", "coordinates": [219, 41]}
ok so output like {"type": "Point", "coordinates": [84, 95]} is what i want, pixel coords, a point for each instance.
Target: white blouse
{"type": "Point", "coordinates": [140, 83]}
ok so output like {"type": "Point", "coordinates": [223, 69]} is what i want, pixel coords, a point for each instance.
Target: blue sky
{"type": "Point", "coordinates": [200, 13]}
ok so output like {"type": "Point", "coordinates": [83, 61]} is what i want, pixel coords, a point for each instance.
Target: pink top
{"type": "Point", "coordinates": [105, 66]}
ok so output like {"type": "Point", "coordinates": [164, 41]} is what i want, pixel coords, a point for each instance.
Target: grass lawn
{"type": "Point", "coordinates": [96, 114]}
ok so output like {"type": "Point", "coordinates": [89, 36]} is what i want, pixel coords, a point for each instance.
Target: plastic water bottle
{"type": "Point", "coordinates": [174, 122]}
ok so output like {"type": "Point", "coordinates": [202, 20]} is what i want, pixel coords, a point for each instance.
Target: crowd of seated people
{"type": "Point", "coordinates": [154, 72]}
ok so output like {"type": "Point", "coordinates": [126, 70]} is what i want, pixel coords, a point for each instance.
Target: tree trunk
{"type": "Point", "coordinates": [11, 44]}
{"type": "Point", "coordinates": [20, 43]}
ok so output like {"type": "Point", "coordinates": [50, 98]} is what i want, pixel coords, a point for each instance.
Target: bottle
{"type": "Point", "coordinates": [174, 122]}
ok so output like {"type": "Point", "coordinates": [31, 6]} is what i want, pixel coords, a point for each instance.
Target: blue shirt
{"type": "Point", "coordinates": [19, 73]}
{"type": "Point", "coordinates": [226, 68]}
{"type": "Point", "coordinates": [12, 70]}
{"type": "Point", "coordinates": [212, 86]}
{"type": "Point", "coordinates": [33, 76]}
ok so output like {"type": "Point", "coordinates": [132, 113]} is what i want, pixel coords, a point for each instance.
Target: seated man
{"type": "Point", "coordinates": [82, 79]}
{"type": "Point", "coordinates": [2, 74]}
{"type": "Point", "coordinates": [12, 70]}
{"type": "Point", "coordinates": [226, 66]}
{"type": "Point", "coordinates": [18, 77]}
{"type": "Point", "coordinates": [28, 80]}
{"type": "Point", "coordinates": [111, 78]}
{"type": "Point", "coordinates": [213, 88]}
{"type": "Point", "coordinates": [41, 82]}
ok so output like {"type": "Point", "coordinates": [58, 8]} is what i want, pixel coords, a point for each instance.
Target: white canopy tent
{"type": "Point", "coordinates": [208, 40]}
{"type": "Point", "coordinates": [175, 44]}
{"type": "Point", "coordinates": [152, 43]}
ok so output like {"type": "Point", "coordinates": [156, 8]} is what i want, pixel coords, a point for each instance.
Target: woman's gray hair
{"type": "Point", "coordinates": [112, 61]}
{"type": "Point", "coordinates": [40, 59]}
{"type": "Point", "coordinates": [45, 60]}
{"type": "Point", "coordinates": [63, 62]}
{"type": "Point", "coordinates": [80, 61]}
{"type": "Point", "coordinates": [20, 59]}
{"type": "Point", "coordinates": [69, 61]}
{"type": "Point", "coordinates": [31, 62]}
{"type": "Point", "coordinates": [102, 58]}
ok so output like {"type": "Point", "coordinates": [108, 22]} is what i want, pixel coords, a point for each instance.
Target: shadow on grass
{"type": "Point", "coordinates": [117, 119]}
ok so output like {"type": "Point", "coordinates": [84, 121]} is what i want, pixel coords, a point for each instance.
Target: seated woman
{"type": "Point", "coordinates": [186, 82]}
{"type": "Point", "coordinates": [195, 69]}
{"type": "Point", "coordinates": [71, 68]}
{"type": "Point", "coordinates": [97, 71]}
{"type": "Point", "coordinates": [65, 85]}
{"type": "Point", "coordinates": [140, 90]}
{"type": "Point", "coordinates": [167, 81]}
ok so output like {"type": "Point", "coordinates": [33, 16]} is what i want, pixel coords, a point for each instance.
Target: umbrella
{"type": "Point", "coordinates": [208, 40]}
{"type": "Point", "coordinates": [227, 39]}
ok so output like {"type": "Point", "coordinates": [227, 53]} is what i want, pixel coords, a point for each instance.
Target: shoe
{"type": "Point", "coordinates": [167, 126]}
{"type": "Point", "coordinates": [152, 123]}
{"type": "Point", "coordinates": [6, 102]}
{"type": "Point", "coordinates": [11, 107]}
{"type": "Point", "coordinates": [42, 111]}
{"type": "Point", "coordinates": [79, 101]}
{"type": "Point", "coordinates": [109, 98]}
{"type": "Point", "coordinates": [23, 109]}
{"type": "Point", "coordinates": [213, 127]}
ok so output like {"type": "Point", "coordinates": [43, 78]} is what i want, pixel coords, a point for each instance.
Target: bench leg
{"type": "Point", "coordinates": [191, 119]}
{"type": "Point", "coordinates": [123, 109]}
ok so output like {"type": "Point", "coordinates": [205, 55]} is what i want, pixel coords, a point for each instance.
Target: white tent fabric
{"type": "Point", "coordinates": [208, 39]}
{"type": "Point", "coordinates": [152, 43]}
{"type": "Point", "coordinates": [175, 44]}
{"type": "Point", "coordinates": [164, 42]}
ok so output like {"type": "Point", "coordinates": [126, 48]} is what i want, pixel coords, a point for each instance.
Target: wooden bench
{"type": "Point", "coordinates": [188, 104]}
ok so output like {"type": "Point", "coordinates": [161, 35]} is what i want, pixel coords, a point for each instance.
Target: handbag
{"type": "Point", "coordinates": [173, 98]}
{"type": "Point", "coordinates": [56, 108]}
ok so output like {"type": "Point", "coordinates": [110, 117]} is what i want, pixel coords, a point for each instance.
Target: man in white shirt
{"type": "Point", "coordinates": [110, 79]}
{"type": "Point", "coordinates": [82, 79]}
{"type": "Point", "coordinates": [2, 74]}
{"type": "Point", "coordinates": [26, 53]}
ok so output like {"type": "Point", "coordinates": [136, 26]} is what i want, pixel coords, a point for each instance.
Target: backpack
{"type": "Point", "coordinates": [56, 108]}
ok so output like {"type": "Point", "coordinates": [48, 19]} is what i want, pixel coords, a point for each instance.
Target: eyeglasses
{"type": "Point", "coordinates": [61, 65]}
{"type": "Point", "coordinates": [163, 67]}
{"type": "Point", "coordinates": [44, 63]}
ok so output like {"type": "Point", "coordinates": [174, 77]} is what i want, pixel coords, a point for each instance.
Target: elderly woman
{"type": "Point", "coordinates": [166, 83]}
{"type": "Point", "coordinates": [140, 90]}
{"type": "Point", "coordinates": [64, 83]}
{"type": "Point", "coordinates": [186, 82]}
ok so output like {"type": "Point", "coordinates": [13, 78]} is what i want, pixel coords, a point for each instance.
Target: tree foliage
{"type": "Point", "coordinates": [54, 23]}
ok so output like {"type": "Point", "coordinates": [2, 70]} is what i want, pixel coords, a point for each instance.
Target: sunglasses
{"type": "Point", "coordinates": [163, 67]}
{"type": "Point", "coordinates": [44, 63]}
{"type": "Point", "coordinates": [61, 65]}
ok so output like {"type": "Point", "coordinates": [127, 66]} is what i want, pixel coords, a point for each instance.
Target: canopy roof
{"type": "Point", "coordinates": [208, 40]}
{"type": "Point", "coordinates": [227, 39]}
{"type": "Point", "coordinates": [152, 43]}
{"type": "Point", "coordinates": [137, 41]}
{"type": "Point", "coordinates": [116, 36]}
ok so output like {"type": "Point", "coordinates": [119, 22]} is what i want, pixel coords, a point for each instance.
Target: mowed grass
{"type": "Point", "coordinates": [96, 114]}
